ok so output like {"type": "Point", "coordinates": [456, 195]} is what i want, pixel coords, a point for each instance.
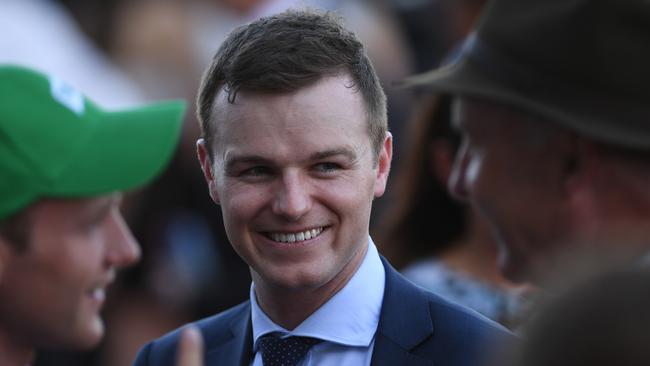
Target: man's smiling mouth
{"type": "Point", "coordinates": [296, 236]}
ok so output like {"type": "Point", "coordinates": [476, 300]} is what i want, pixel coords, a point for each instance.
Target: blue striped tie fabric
{"type": "Point", "coordinates": [288, 351]}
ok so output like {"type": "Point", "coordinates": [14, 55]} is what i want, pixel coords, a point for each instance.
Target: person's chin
{"type": "Point", "coordinates": [89, 334]}
{"type": "Point", "coordinates": [512, 267]}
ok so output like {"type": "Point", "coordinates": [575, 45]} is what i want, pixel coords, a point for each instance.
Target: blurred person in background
{"type": "Point", "coordinates": [556, 140]}
{"type": "Point", "coordinates": [44, 35]}
{"type": "Point", "coordinates": [435, 241]}
{"type": "Point", "coordinates": [63, 163]}
{"type": "Point", "coordinates": [294, 151]}
{"type": "Point", "coordinates": [600, 320]}
{"type": "Point", "coordinates": [434, 27]}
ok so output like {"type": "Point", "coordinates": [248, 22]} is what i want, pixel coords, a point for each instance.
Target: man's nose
{"type": "Point", "coordinates": [122, 248]}
{"type": "Point", "coordinates": [292, 199]}
{"type": "Point", "coordinates": [457, 182]}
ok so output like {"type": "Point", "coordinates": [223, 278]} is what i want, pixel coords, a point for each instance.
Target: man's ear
{"type": "Point", "coordinates": [383, 165]}
{"type": "Point", "coordinates": [581, 170]}
{"type": "Point", "coordinates": [206, 166]}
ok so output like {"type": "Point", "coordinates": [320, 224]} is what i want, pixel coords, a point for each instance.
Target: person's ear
{"type": "Point", "coordinates": [441, 159]}
{"type": "Point", "coordinates": [208, 169]}
{"type": "Point", "coordinates": [576, 164]}
{"type": "Point", "coordinates": [383, 165]}
{"type": "Point", "coordinates": [579, 177]}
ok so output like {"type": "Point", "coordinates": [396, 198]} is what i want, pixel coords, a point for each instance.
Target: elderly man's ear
{"type": "Point", "coordinates": [206, 166]}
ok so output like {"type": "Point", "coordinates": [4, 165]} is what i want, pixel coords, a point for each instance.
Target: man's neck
{"type": "Point", "coordinates": [290, 307]}
{"type": "Point", "coordinates": [13, 352]}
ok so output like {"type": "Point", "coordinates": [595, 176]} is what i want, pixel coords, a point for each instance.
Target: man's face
{"type": "Point", "coordinates": [295, 175]}
{"type": "Point", "coordinates": [52, 292]}
{"type": "Point", "coordinates": [512, 172]}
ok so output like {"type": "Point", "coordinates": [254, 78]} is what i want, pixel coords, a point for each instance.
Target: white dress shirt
{"type": "Point", "coordinates": [346, 323]}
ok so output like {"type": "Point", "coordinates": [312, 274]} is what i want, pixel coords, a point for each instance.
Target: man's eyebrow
{"type": "Point", "coordinates": [348, 153]}
{"type": "Point", "coordinates": [245, 159]}
{"type": "Point", "coordinates": [97, 212]}
{"type": "Point", "coordinates": [231, 162]}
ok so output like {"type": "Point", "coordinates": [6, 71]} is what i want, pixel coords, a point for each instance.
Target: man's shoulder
{"type": "Point", "coordinates": [448, 317]}
{"type": "Point", "coordinates": [433, 329]}
{"type": "Point", "coordinates": [457, 319]}
{"type": "Point", "coordinates": [463, 335]}
{"type": "Point", "coordinates": [216, 329]}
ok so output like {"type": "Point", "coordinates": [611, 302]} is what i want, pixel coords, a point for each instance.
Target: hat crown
{"type": "Point", "coordinates": [601, 44]}
{"type": "Point", "coordinates": [42, 122]}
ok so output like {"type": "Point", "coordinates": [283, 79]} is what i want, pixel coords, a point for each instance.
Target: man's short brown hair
{"type": "Point", "coordinates": [286, 52]}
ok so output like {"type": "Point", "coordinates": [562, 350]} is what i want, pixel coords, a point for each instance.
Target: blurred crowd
{"type": "Point", "coordinates": [124, 52]}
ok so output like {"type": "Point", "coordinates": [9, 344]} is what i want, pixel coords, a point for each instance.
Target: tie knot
{"type": "Point", "coordinates": [288, 351]}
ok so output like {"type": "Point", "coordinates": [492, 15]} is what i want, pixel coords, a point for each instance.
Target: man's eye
{"type": "Point", "coordinates": [327, 167]}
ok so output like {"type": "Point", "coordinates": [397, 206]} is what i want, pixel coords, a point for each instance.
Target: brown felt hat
{"type": "Point", "coordinates": [582, 63]}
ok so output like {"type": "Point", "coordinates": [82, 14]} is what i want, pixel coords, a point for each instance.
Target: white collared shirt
{"type": "Point", "coordinates": [346, 323]}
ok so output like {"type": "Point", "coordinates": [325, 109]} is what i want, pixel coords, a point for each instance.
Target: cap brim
{"type": "Point", "coordinates": [127, 150]}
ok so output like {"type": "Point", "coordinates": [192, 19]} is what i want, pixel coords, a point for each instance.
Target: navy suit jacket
{"type": "Point", "coordinates": [416, 327]}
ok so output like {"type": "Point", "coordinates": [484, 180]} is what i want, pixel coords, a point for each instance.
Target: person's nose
{"type": "Point", "coordinates": [122, 248]}
{"type": "Point", "coordinates": [292, 200]}
{"type": "Point", "coordinates": [457, 182]}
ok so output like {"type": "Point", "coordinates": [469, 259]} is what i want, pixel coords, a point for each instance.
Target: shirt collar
{"type": "Point", "coordinates": [350, 317]}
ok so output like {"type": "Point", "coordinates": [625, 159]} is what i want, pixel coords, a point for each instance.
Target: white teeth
{"type": "Point", "coordinates": [296, 237]}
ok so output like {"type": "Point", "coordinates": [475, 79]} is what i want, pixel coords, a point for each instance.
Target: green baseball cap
{"type": "Point", "coordinates": [55, 142]}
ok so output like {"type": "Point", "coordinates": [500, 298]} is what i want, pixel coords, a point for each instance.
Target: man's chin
{"type": "Point", "coordinates": [89, 335]}
{"type": "Point", "coordinates": [514, 269]}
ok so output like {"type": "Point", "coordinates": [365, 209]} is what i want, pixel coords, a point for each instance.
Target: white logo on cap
{"type": "Point", "coordinates": [67, 95]}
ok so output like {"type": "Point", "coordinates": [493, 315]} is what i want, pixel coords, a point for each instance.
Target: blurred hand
{"type": "Point", "coordinates": [190, 348]}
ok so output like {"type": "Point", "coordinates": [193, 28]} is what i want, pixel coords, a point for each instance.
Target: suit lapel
{"type": "Point", "coordinates": [405, 322]}
{"type": "Point", "coordinates": [238, 349]}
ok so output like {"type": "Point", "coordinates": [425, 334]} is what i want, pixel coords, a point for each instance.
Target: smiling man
{"type": "Point", "coordinates": [552, 100]}
{"type": "Point", "coordinates": [63, 162]}
{"type": "Point", "coordinates": [295, 148]}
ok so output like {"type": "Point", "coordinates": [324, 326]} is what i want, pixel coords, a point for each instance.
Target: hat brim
{"type": "Point", "coordinates": [464, 78]}
{"type": "Point", "coordinates": [127, 149]}
{"type": "Point", "coordinates": [584, 110]}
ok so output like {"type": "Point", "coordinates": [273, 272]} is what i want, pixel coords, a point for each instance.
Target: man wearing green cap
{"type": "Point", "coordinates": [552, 101]}
{"type": "Point", "coordinates": [63, 162]}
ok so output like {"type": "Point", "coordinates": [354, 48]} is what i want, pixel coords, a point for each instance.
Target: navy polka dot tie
{"type": "Point", "coordinates": [288, 351]}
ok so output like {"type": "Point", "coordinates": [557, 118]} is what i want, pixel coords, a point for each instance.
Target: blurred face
{"type": "Point", "coordinates": [512, 172]}
{"type": "Point", "coordinates": [295, 175]}
{"type": "Point", "coordinates": [52, 293]}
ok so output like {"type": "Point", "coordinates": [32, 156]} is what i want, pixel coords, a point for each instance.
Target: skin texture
{"type": "Point", "coordinates": [285, 163]}
{"type": "Point", "coordinates": [53, 292]}
{"type": "Point", "coordinates": [518, 176]}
